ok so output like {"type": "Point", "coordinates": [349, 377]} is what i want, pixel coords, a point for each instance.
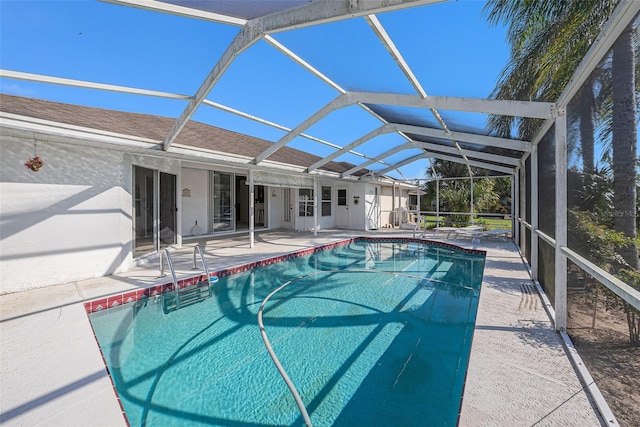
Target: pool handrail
{"type": "Point", "coordinates": [198, 249]}
{"type": "Point", "coordinates": [165, 252]}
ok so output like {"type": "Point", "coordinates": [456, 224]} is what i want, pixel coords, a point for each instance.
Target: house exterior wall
{"type": "Point", "coordinates": [73, 219]}
{"type": "Point", "coordinates": [194, 206]}
{"type": "Point", "coordinates": [386, 206]}
{"type": "Point", "coordinates": [274, 207]}
{"type": "Point", "coordinates": [69, 221]}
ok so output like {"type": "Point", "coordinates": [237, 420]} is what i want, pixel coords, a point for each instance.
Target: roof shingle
{"type": "Point", "coordinates": [194, 134]}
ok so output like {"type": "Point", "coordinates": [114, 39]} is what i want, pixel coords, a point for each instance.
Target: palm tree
{"type": "Point", "coordinates": [548, 40]}
{"type": "Point", "coordinates": [625, 142]}
{"type": "Point", "coordinates": [488, 193]}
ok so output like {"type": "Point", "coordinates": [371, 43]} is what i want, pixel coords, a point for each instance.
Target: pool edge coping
{"type": "Point", "coordinates": [120, 298]}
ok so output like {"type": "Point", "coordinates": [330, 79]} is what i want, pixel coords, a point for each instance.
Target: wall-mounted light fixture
{"type": "Point", "coordinates": [356, 200]}
{"type": "Point", "coordinates": [273, 193]}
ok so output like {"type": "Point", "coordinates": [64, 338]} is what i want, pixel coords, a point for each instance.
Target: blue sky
{"type": "Point", "coordinates": [449, 46]}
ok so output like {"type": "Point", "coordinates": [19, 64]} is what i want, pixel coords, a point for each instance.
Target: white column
{"type": "Point", "coordinates": [418, 201]}
{"type": "Point", "coordinates": [437, 202]}
{"type": "Point", "coordinates": [523, 204]}
{"type": "Point", "coordinates": [561, 221]}
{"type": "Point", "coordinates": [251, 210]}
{"type": "Point", "coordinates": [399, 207]}
{"type": "Point", "coordinates": [471, 205]}
{"type": "Point", "coordinates": [515, 205]}
{"type": "Point", "coordinates": [534, 214]}
{"type": "Point", "coordinates": [393, 205]}
{"type": "Point", "coordinates": [315, 207]}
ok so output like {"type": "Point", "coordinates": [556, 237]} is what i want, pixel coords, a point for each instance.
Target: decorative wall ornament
{"type": "Point", "coordinates": [35, 162]}
{"type": "Point", "coordinates": [186, 192]}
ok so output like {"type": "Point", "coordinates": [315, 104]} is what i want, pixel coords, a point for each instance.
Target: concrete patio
{"type": "Point", "coordinates": [52, 373]}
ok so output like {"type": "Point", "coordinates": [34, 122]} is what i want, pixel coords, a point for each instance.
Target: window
{"type": "Point", "coordinates": [342, 197]}
{"type": "Point", "coordinates": [326, 201]}
{"type": "Point", "coordinates": [305, 202]}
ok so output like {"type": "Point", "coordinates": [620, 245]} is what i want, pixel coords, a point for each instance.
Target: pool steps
{"type": "Point", "coordinates": [187, 295]}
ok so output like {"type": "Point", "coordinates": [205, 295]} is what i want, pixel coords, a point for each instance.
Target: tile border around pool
{"type": "Point", "coordinates": [119, 299]}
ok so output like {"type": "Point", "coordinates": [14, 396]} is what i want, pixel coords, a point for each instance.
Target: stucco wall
{"type": "Point", "coordinates": [274, 206]}
{"type": "Point", "coordinates": [194, 204]}
{"type": "Point", "coordinates": [69, 221]}
{"type": "Point", "coordinates": [386, 207]}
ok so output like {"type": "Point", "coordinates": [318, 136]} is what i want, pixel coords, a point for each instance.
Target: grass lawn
{"type": "Point", "coordinates": [489, 223]}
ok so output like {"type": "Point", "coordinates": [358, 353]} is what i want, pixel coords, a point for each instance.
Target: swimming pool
{"type": "Point", "coordinates": [370, 333]}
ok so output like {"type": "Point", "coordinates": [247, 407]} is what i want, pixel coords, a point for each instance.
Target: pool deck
{"type": "Point", "coordinates": [52, 373]}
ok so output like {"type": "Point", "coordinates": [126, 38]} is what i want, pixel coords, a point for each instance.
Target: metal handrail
{"type": "Point", "coordinates": [417, 226]}
{"type": "Point", "coordinates": [173, 274]}
{"type": "Point", "coordinates": [198, 249]}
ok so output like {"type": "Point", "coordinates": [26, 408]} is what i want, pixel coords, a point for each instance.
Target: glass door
{"type": "Point", "coordinates": [143, 211]}
{"type": "Point", "coordinates": [167, 210]}
{"type": "Point", "coordinates": [342, 208]}
{"type": "Point", "coordinates": [154, 210]}
{"type": "Point", "coordinates": [223, 212]}
{"type": "Point", "coordinates": [287, 208]}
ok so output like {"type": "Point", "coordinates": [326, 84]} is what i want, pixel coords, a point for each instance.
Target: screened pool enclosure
{"type": "Point", "coordinates": [345, 81]}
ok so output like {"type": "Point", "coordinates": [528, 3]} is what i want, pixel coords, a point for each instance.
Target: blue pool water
{"type": "Point", "coordinates": [369, 333]}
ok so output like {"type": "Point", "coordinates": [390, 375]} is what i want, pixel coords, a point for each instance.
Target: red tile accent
{"type": "Point", "coordinates": [114, 300]}
{"type": "Point", "coordinates": [98, 305]}
{"type": "Point", "coordinates": [119, 299]}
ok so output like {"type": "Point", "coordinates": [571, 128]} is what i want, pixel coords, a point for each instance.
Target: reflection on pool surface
{"type": "Point", "coordinates": [369, 333]}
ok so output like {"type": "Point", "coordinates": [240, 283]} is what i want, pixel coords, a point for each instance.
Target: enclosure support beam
{"type": "Point", "coordinates": [315, 207]}
{"type": "Point", "coordinates": [533, 261]}
{"type": "Point", "coordinates": [437, 202]}
{"type": "Point", "coordinates": [482, 140]}
{"type": "Point", "coordinates": [488, 166]}
{"type": "Point", "coordinates": [515, 205]}
{"type": "Point", "coordinates": [540, 110]}
{"type": "Point", "coordinates": [561, 222]}
{"type": "Point", "coordinates": [522, 190]}
{"type": "Point", "coordinates": [471, 198]}
{"type": "Point", "coordinates": [419, 211]}
{"type": "Point", "coordinates": [376, 132]}
{"type": "Point", "coordinates": [511, 161]}
{"type": "Point", "coordinates": [251, 210]}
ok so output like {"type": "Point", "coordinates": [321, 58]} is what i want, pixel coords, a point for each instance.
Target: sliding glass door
{"type": "Point", "coordinates": [167, 215]}
{"type": "Point", "coordinates": [221, 202]}
{"type": "Point", "coordinates": [154, 210]}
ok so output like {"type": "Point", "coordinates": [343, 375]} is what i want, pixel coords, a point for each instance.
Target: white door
{"type": "Point", "coordinates": [373, 210]}
{"type": "Point", "coordinates": [342, 207]}
{"type": "Point", "coordinates": [287, 208]}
